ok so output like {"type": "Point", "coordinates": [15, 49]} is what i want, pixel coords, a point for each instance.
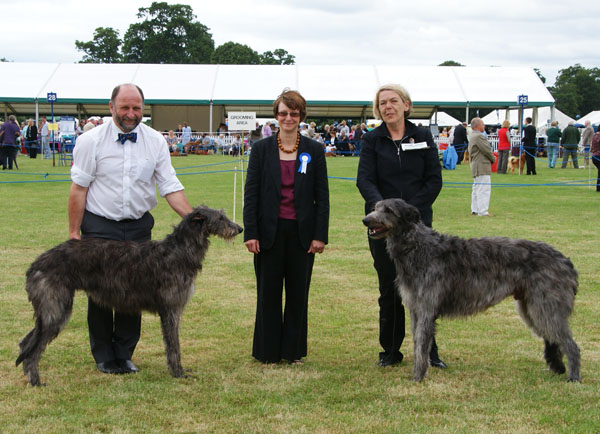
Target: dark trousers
{"type": "Point", "coordinates": [530, 160]}
{"type": "Point", "coordinates": [6, 156]}
{"type": "Point", "coordinates": [460, 151]}
{"type": "Point", "coordinates": [114, 337]}
{"type": "Point", "coordinates": [277, 337]}
{"type": "Point", "coordinates": [391, 309]}
{"type": "Point", "coordinates": [596, 161]}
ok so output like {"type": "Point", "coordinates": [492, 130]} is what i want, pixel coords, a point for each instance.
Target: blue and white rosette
{"type": "Point", "coordinates": [304, 160]}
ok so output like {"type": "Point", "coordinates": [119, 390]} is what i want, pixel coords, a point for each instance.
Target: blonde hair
{"type": "Point", "coordinates": [554, 123]}
{"type": "Point", "coordinates": [402, 93]}
{"type": "Point", "coordinates": [506, 124]}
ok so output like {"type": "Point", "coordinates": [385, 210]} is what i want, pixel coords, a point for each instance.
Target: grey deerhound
{"type": "Point", "coordinates": [443, 275]}
{"type": "Point", "coordinates": [155, 276]}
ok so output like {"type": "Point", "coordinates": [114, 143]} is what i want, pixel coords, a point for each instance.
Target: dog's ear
{"type": "Point", "coordinates": [404, 211]}
{"type": "Point", "coordinates": [198, 214]}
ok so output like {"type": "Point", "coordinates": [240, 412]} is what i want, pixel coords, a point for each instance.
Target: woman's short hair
{"type": "Point", "coordinates": [554, 123]}
{"type": "Point", "coordinates": [506, 123]}
{"type": "Point", "coordinates": [402, 93]}
{"type": "Point", "coordinates": [293, 100]}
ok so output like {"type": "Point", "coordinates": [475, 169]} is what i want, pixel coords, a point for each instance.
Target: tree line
{"type": "Point", "coordinates": [171, 34]}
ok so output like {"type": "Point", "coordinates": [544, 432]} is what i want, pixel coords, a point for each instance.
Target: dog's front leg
{"type": "Point", "coordinates": [423, 330]}
{"type": "Point", "coordinates": [169, 321]}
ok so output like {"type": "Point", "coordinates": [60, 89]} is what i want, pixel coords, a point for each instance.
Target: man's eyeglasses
{"type": "Point", "coordinates": [291, 114]}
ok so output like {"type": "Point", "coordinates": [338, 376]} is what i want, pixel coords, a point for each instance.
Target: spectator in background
{"type": "Point", "coordinates": [91, 123]}
{"type": "Point", "coordinates": [570, 141]}
{"type": "Point", "coordinates": [553, 143]}
{"type": "Point", "coordinates": [503, 146]}
{"type": "Point", "coordinates": [255, 135]}
{"type": "Point", "coordinates": [9, 132]}
{"type": "Point", "coordinates": [530, 145]}
{"type": "Point", "coordinates": [460, 141]}
{"type": "Point", "coordinates": [173, 142]}
{"type": "Point", "coordinates": [595, 151]}
{"type": "Point", "coordinates": [312, 130]}
{"type": "Point", "coordinates": [186, 134]}
{"type": "Point", "coordinates": [266, 131]}
{"type": "Point", "coordinates": [481, 158]}
{"type": "Point", "coordinates": [44, 134]}
{"type": "Point", "coordinates": [31, 140]}
{"type": "Point", "coordinates": [586, 141]}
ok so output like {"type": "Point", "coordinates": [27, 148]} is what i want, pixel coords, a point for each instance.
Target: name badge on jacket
{"type": "Point", "coordinates": [414, 146]}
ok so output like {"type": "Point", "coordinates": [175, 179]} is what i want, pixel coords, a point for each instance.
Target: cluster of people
{"type": "Point", "coordinates": [24, 137]}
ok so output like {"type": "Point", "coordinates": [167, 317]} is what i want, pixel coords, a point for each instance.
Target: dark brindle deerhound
{"type": "Point", "coordinates": [155, 276]}
{"type": "Point", "coordinates": [443, 275]}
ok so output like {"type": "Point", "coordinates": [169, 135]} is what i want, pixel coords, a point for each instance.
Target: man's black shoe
{"type": "Point", "coordinates": [127, 366]}
{"type": "Point", "coordinates": [110, 367]}
{"type": "Point", "coordinates": [437, 363]}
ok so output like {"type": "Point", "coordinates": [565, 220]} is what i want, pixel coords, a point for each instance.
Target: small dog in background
{"type": "Point", "coordinates": [516, 163]}
{"type": "Point", "coordinates": [154, 276]}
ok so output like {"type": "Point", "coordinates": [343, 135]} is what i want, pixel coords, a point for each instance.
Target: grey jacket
{"type": "Point", "coordinates": [481, 154]}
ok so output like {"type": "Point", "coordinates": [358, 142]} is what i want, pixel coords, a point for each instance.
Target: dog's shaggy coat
{"type": "Point", "coordinates": [155, 276]}
{"type": "Point", "coordinates": [443, 275]}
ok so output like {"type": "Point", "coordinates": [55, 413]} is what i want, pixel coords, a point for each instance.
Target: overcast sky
{"type": "Point", "coordinates": [549, 35]}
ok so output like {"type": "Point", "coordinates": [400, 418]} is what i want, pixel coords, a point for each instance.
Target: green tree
{"type": "Point", "coordinates": [277, 57]}
{"type": "Point", "coordinates": [450, 63]}
{"type": "Point", "coordinates": [539, 74]}
{"type": "Point", "coordinates": [167, 34]}
{"type": "Point", "coordinates": [103, 48]}
{"type": "Point", "coordinates": [577, 90]}
{"type": "Point", "coordinates": [232, 53]}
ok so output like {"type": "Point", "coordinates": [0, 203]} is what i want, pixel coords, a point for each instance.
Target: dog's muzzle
{"type": "Point", "coordinates": [375, 231]}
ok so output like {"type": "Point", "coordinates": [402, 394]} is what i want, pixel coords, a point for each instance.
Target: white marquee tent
{"type": "Point", "coordinates": [202, 92]}
{"type": "Point", "coordinates": [544, 116]}
{"type": "Point", "coordinates": [593, 117]}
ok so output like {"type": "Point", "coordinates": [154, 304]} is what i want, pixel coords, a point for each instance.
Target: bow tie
{"type": "Point", "coordinates": [128, 136]}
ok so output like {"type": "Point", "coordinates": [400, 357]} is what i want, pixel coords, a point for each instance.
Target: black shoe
{"type": "Point", "coordinates": [390, 360]}
{"type": "Point", "coordinates": [109, 367]}
{"type": "Point", "coordinates": [127, 366]}
{"type": "Point", "coordinates": [437, 363]}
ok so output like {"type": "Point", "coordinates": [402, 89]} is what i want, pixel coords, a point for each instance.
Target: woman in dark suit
{"type": "Point", "coordinates": [286, 221]}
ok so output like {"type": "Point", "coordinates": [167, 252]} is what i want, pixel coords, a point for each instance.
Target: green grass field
{"type": "Point", "coordinates": [496, 380]}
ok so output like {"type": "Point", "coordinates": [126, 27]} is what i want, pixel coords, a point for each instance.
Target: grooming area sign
{"type": "Point", "coordinates": [241, 121]}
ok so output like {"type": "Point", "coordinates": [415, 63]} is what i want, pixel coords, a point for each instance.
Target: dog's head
{"type": "Point", "coordinates": [391, 216]}
{"type": "Point", "coordinates": [214, 222]}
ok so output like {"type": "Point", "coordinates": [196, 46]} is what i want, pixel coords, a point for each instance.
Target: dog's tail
{"type": "Point", "coordinates": [29, 342]}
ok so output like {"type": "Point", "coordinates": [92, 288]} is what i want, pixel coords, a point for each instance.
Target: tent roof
{"type": "Point", "coordinates": [330, 90]}
{"type": "Point", "coordinates": [543, 119]}
{"type": "Point", "coordinates": [443, 120]}
{"type": "Point", "coordinates": [593, 117]}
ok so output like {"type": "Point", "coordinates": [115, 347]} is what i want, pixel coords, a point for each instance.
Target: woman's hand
{"type": "Point", "coordinates": [316, 246]}
{"type": "Point", "coordinates": [253, 246]}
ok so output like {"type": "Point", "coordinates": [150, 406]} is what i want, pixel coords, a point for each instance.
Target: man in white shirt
{"type": "Point", "coordinates": [186, 134]}
{"type": "Point", "coordinates": [116, 168]}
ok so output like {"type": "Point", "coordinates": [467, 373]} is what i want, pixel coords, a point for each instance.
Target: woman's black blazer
{"type": "Point", "coordinates": [262, 196]}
